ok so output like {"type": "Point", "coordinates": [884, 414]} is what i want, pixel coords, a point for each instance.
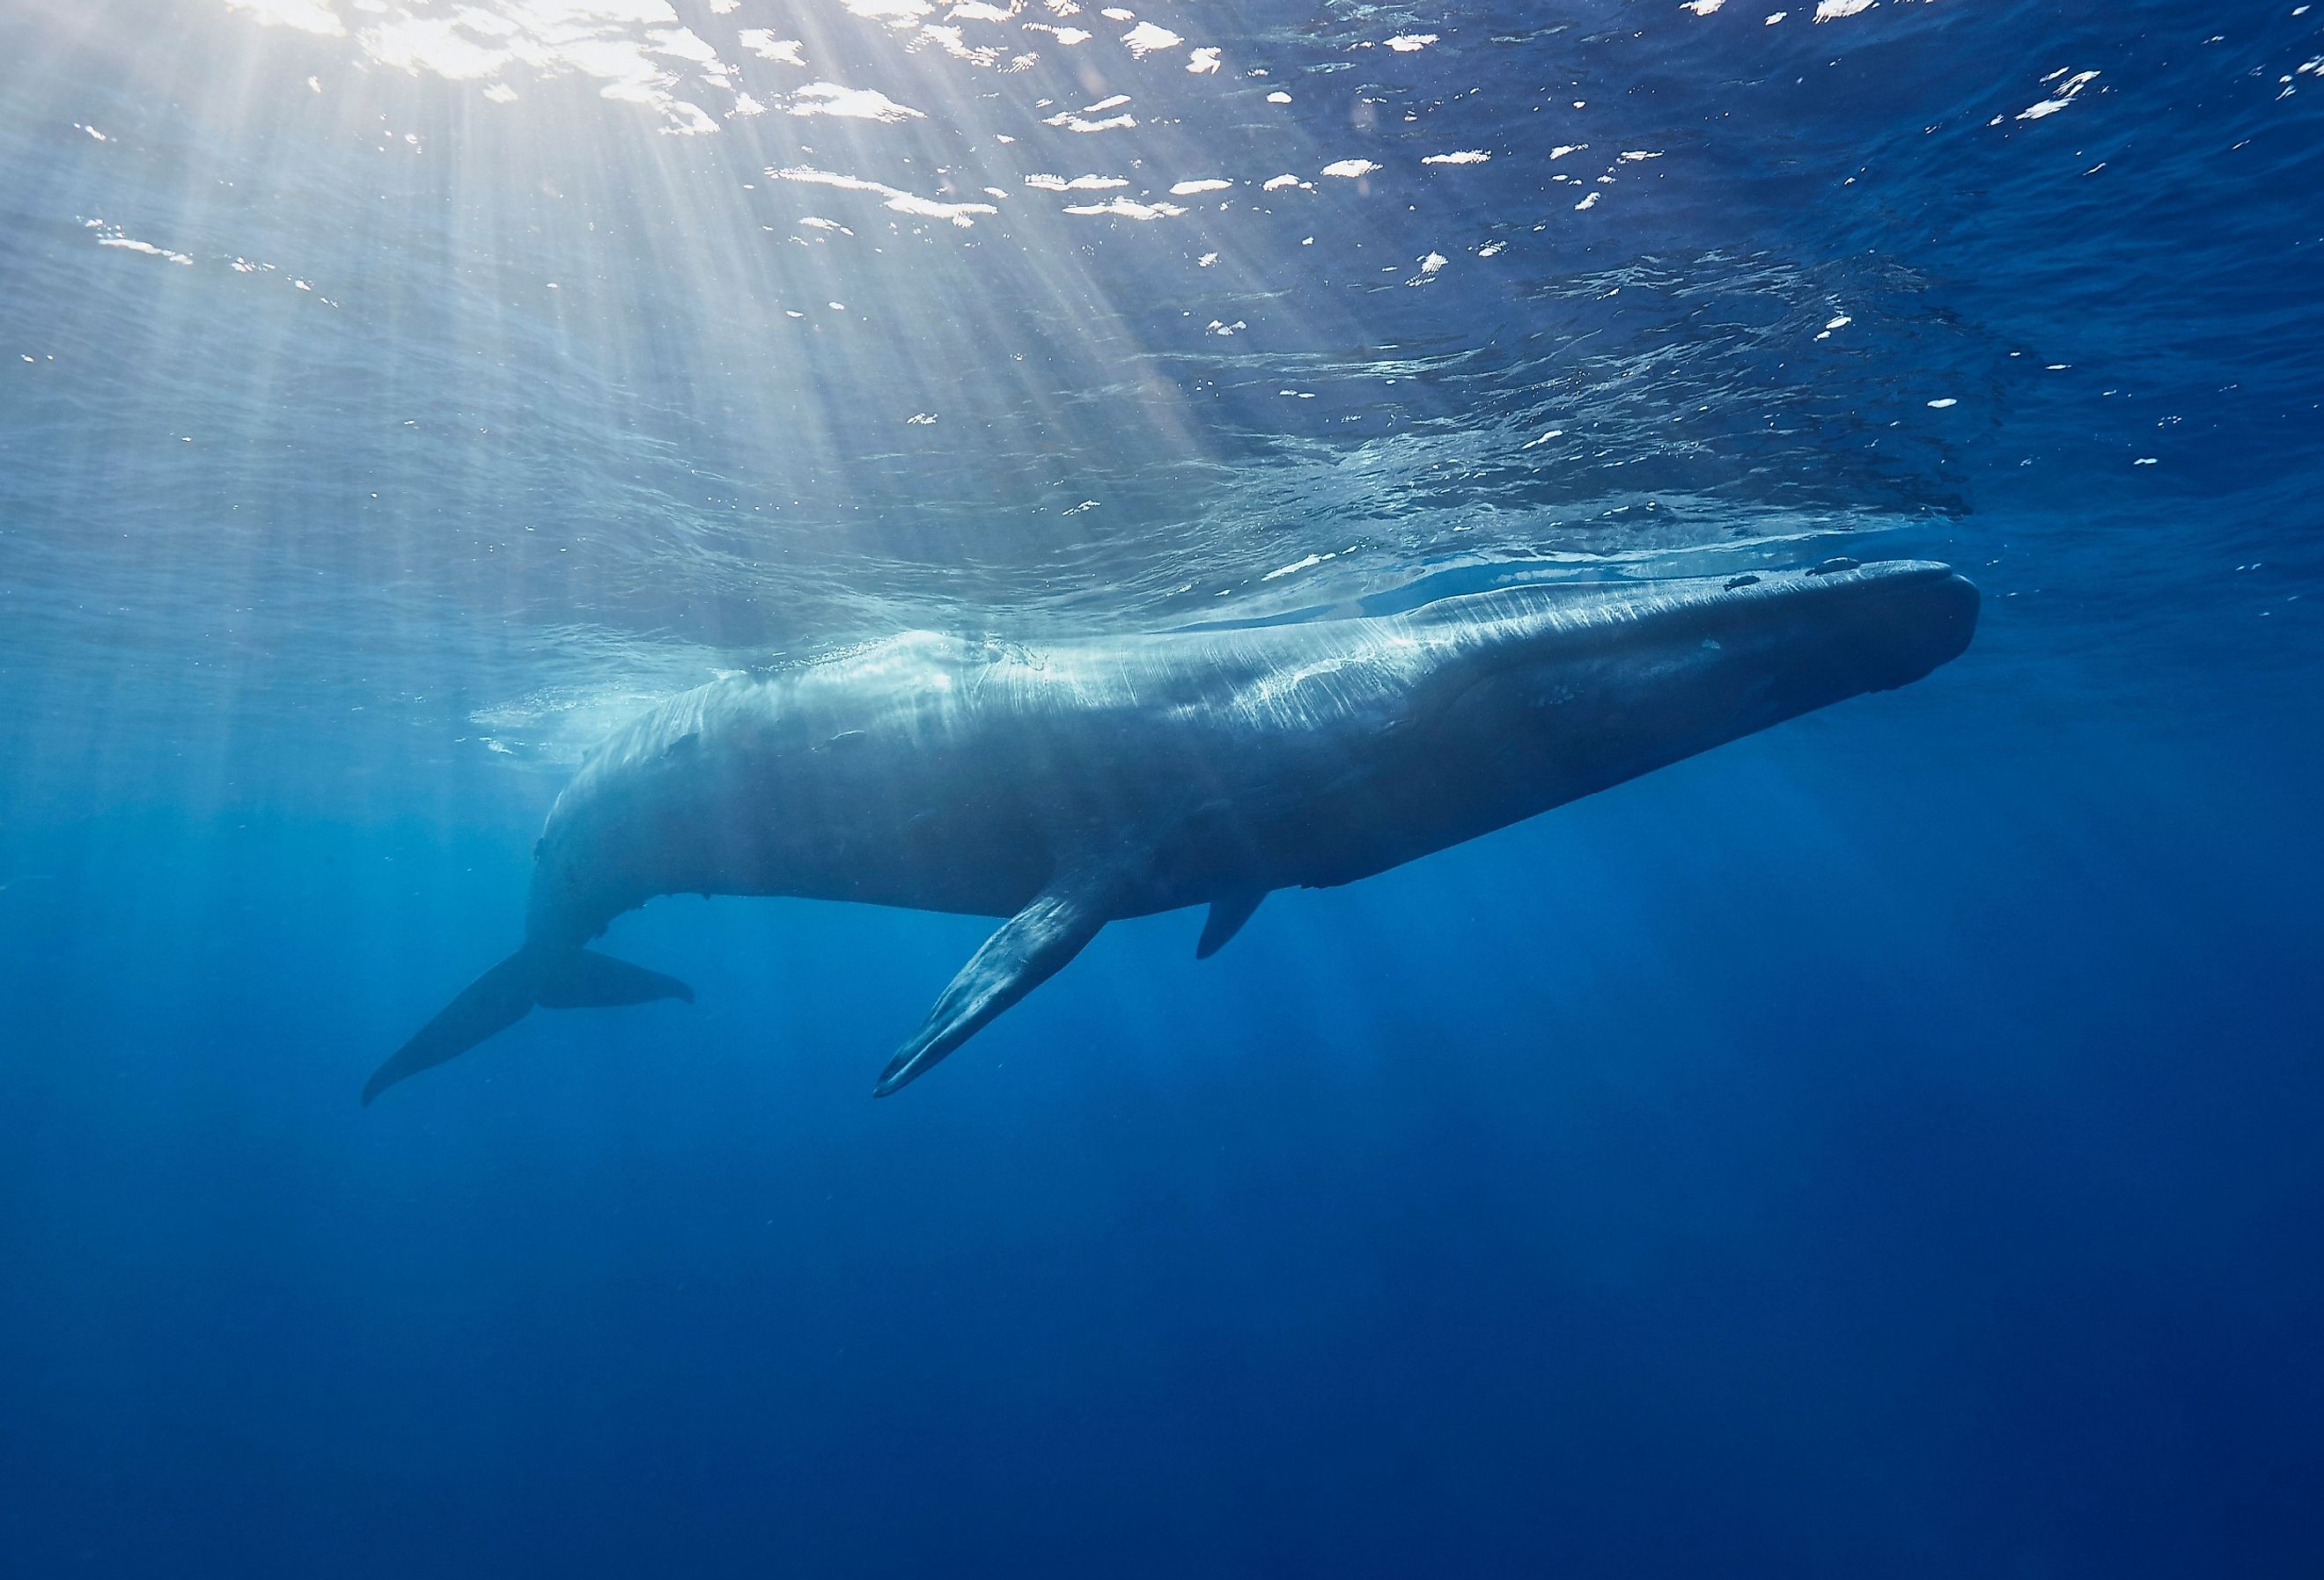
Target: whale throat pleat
{"type": "Point", "coordinates": [1030, 947]}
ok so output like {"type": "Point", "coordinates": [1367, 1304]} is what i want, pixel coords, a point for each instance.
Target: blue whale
{"type": "Point", "coordinates": [1067, 784]}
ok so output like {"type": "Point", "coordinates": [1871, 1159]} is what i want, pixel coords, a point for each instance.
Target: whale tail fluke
{"type": "Point", "coordinates": [500, 998]}
{"type": "Point", "coordinates": [586, 980]}
{"type": "Point", "coordinates": [493, 1003]}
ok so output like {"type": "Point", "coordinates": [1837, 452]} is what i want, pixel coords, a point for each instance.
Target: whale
{"type": "Point", "coordinates": [1060, 785]}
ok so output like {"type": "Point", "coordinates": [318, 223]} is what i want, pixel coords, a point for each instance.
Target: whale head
{"type": "Point", "coordinates": [1803, 638]}
{"type": "Point", "coordinates": [1582, 689]}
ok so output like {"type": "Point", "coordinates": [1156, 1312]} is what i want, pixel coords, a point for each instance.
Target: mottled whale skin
{"type": "Point", "coordinates": [1067, 784]}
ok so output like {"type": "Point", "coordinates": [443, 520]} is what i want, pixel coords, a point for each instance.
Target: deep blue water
{"type": "Point", "coordinates": [1887, 1145]}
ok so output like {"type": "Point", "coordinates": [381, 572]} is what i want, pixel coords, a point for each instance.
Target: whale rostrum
{"type": "Point", "coordinates": [1065, 785]}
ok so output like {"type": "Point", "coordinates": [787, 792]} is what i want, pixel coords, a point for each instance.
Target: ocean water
{"type": "Point", "coordinates": [1885, 1145]}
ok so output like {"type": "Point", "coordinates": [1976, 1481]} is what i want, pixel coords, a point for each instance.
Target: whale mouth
{"type": "Point", "coordinates": [1900, 618]}
{"type": "Point", "coordinates": [1880, 625]}
{"type": "Point", "coordinates": [1917, 592]}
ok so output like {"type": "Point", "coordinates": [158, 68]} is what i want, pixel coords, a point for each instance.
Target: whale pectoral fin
{"type": "Point", "coordinates": [1030, 947]}
{"type": "Point", "coordinates": [493, 1003]}
{"type": "Point", "coordinates": [1228, 914]}
{"type": "Point", "coordinates": [586, 980]}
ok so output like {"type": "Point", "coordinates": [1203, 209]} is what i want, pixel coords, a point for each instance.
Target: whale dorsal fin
{"type": "Point", "coordinates": [1228, 914]}
{"type": "Point", "coordinates": [1030, 947]}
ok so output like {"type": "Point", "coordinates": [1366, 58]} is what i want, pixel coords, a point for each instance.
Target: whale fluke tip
{"type": "Point", "coordinates": [495, 1001]}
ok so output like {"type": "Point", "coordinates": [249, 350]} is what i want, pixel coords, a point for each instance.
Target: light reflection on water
{"type": "Point", "coordinates": [575, 350]}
